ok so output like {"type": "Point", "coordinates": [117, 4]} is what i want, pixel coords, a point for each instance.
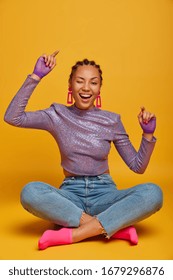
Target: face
{"type": "Point", "coordinates": [85, 85]}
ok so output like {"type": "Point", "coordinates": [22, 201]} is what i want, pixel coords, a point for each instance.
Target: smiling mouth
{"type": "Point", "coordinates": [85, 96]}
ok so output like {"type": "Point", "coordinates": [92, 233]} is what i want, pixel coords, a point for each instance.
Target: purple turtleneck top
{"type": "Point", "coordinates": [84, 136]}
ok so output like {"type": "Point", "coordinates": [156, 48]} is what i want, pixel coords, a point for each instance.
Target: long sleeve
{"type": "Point", "coordinates": [135, 160]}
{"type": "Point", "coordinates": [16, 115]}
{"type": "Point", "coordinates": [84, 137]}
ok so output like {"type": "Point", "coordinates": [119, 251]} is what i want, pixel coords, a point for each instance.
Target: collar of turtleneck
{"type": "Point", "coordinates": [82, 112]}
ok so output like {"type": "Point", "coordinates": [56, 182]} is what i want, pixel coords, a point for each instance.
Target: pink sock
{"type": "Point", "coordinates": [55, 237]}
{"type": "Point", "coordinates": [128, 233]}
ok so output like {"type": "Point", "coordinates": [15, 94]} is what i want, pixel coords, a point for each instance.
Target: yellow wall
{"type": "Point", "coordinates": [131, 40]}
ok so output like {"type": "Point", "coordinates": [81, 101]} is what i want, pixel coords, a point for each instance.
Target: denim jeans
{"type": "Point", "coordinates": [95, 195]}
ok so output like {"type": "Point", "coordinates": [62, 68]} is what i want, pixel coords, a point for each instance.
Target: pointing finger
{"type": "Point", "coordinates": [55, 53]}
{"type": "Point", "coordinates": [142, 108]}
{"type": "Point", "coordinates": [141, 111]}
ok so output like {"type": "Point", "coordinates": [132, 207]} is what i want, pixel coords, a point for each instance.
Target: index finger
{"type": "Point", "coordinates": [142, 108]}
{"type": "Point", "coordinates": [55, 53]}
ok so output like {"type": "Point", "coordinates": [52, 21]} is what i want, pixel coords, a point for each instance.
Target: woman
{"type": "Point", "coordinates": [88, 202]}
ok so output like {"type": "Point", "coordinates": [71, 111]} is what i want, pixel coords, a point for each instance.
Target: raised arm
{"type": "Point", "coordinates": [15, 114]}
{"type": "Point", "coordinates": [137, 160]}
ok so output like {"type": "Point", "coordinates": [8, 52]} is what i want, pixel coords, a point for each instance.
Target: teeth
{"type": "Point", "coordinates": [85, 95]}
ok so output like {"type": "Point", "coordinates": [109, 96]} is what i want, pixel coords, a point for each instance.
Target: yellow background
{"type": "Point", "coordinates": [132, 40]}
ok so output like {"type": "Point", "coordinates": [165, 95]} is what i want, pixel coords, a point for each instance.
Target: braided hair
{"type": "Point", "coordinates": [82, 63]}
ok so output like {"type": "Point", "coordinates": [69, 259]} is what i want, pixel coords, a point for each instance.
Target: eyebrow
{"type": "Point", "coordinates": [84, 79]}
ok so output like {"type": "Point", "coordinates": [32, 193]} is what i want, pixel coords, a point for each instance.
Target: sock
{"type": "Point", "coordinates": [55, 237]}
{"type": "Point", "coordinates": [128, 233]}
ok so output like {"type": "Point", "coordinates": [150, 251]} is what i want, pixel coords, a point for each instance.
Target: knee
{"type": "Point", "coordinates": [155, 195]}
{"type": "Point", "coordinates": [28, 194]}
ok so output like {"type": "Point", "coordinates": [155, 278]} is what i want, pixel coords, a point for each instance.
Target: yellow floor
{"type": "Point", "coordinates": [20, 232]}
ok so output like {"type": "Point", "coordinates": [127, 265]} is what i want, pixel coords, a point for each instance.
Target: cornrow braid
{"type": "Point", "coordinates": [82, 63]}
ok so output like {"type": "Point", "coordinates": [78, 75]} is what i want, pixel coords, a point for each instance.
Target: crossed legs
{"type": "Point", "coordinates": [89, 227]}
{"type": "Point", "coordinates": [115, 221]}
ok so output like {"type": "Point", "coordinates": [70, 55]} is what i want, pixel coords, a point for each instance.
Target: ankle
{"type": "Point", "coordinates": [87, 230]}
{"type": "Point", "coordinates": [85, 218]}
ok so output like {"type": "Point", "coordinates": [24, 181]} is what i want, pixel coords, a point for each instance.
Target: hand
{"type": "Point", "coordinates": [147, 121]}
{"type": "Point", "coordinates": [45, 64]}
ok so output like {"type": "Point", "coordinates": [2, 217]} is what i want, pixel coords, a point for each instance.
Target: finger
{"type": "Point", "coordinates": [141, 113]}
{"type": "Point", "coordinates": [145, 117]}
{"type": "Point", "coordinates": [142, 108]}
{"type": "Point", "coordinates": [53, 61]}
{"type": "Point", "coordinates": [148, 116]}
{"type": "Point", "coordinates": [49, 61]}
{"type": "Point", "coordinates": [45, 58]}
{"type": "Point", "coordinates": [152, 116]}
{"type": "Point", "coordinates": [53, 64]}
{"type": "Point", "coordinates": [55, 53]}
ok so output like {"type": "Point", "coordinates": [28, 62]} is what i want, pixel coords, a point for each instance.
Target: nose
{"type": "Point", "coordinates": [86, 87]}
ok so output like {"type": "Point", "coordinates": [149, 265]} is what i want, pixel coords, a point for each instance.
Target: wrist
{"type": "Point", "coordinates": [148, 136]}
{"type": "Point", "coordinates": [35, 77]}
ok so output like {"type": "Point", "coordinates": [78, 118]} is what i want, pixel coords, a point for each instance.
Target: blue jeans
{"type": "Point", "coordinates": [95, 195]}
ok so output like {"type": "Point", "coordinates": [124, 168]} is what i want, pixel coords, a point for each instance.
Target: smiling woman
{"type": "Point", "coordinates": [88, 202]}
{"type": "Point", "coordinates": [85, 82]}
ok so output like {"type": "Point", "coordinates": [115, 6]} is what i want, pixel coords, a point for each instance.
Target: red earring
{"type": "Point", "coordinates": [98, 101]}
{"type": "Point", "coordinates": [69, 97]}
